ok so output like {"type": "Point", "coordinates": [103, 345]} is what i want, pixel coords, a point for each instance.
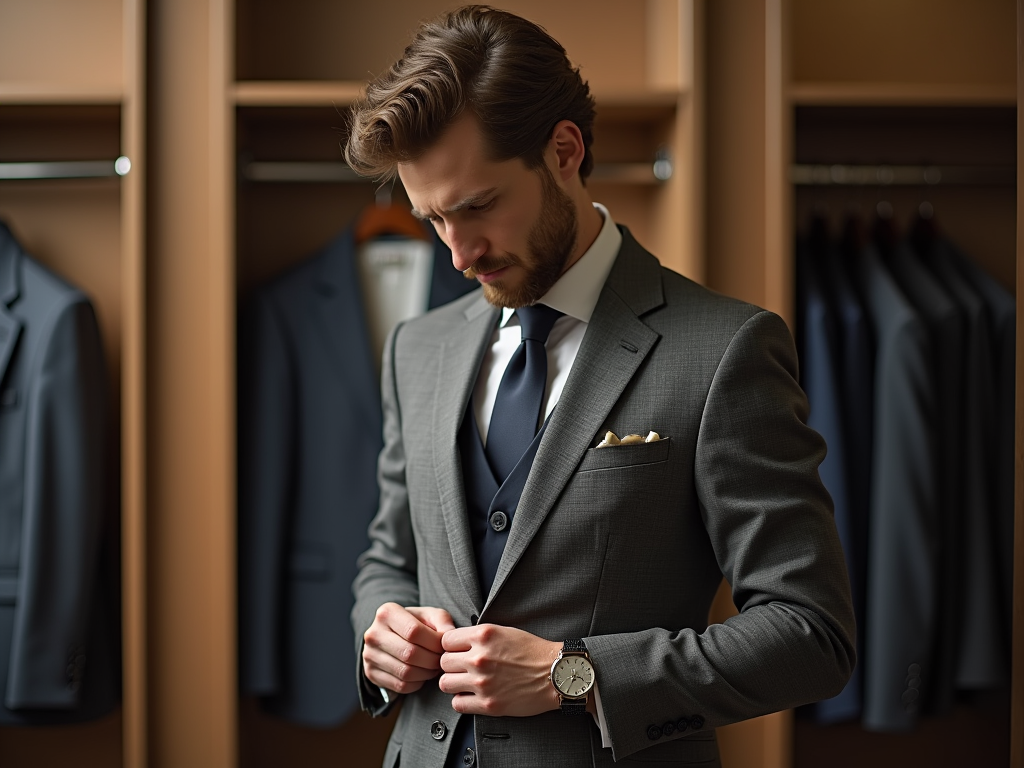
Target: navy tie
{"type": "Point", "coordinates": [516, 414]}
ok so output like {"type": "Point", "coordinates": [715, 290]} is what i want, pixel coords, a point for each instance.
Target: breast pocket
{"type": "Point", "coordinates": [621, 456]}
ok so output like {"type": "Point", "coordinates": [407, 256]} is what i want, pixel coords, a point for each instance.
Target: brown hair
{"type": "Point", "coordinates": [508, 71]}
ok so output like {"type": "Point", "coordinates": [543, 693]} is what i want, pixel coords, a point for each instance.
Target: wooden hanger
{"type": "Point", "coordinates": [386, 218]}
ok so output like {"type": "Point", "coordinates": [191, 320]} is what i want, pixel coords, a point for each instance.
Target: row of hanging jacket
{"type": "Point", "coordinates": [907, 352]}
{"type": "Point", "coordinates": [310, 431]}
{"type": "Point", "coordinates": [59, 659]}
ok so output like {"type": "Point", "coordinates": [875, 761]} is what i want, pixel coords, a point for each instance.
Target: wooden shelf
{"type": "Point", "coordinates": [901, 94]}
{"type": "Point", "coordinates": [296, 93]}
{"type": "Point", "coordinates": [54, 93]}
{"type": "Point", "coordinates": [328, 93]}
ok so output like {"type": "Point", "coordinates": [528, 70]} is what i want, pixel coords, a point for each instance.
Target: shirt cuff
{"type": "Point", "coordinates": [602, 726]}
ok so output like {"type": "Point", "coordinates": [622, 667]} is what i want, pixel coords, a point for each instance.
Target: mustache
{"type": "Point", "coordinates": [486, 264]}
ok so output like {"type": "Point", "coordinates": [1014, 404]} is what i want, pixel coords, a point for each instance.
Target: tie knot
{"type": "Point", "coordinates": [536, 321]}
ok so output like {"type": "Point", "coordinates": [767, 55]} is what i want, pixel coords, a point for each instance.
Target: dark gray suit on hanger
{"type": "Point", "coordinates": [309, 425]}
{"type": "Point", "coordinates": [58, 650]}
{"type": "Point", "coordinates": [733, 489]}
{"type": "Point", "coordinates": [903, 545]}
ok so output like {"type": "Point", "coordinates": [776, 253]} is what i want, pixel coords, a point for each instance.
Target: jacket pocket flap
{"type": "Point", "coordinates": [615, 456]}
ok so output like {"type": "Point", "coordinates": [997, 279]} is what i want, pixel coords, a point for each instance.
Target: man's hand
{"type": "Point", "coordinates": [402, 648]}
{"type": "Point", "coordinates": [498, 671]}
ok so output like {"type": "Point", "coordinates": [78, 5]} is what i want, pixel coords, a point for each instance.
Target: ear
{"type": "Point", "coordinates": [565, 150]}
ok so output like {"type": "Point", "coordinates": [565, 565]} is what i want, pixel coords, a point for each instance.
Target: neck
{"type": "Point", "coordinates": [588, 222]}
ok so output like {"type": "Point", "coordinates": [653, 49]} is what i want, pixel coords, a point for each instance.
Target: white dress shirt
{"type": "Point", "coordinates": [575, 294]}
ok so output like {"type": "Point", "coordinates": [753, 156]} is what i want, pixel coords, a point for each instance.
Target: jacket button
{"type": "Point", "coordinates": [653, 732]}
{"type": "Point", "coordinates": [469, 758]}
{"type": "Point", "coordinates": [438, 730]}
{"type": "Point", "coordinates": [697, 722]}
{"type": "Point", "coordinates": [668, 728]}
{"type": "Point", "coordinates": [682, 724]}
{"type": "Point", "coordinates": [499, 521]}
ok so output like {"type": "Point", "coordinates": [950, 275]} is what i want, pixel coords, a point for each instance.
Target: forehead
{"type": "Point", "coordinates": [455, 166]}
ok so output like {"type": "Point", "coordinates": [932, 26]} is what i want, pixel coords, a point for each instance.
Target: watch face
{"type": "Point", "coordinates": [573, 676]}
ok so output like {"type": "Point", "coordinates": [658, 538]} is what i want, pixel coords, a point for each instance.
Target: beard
{"type": "Point", "coordinates": [550, 243]}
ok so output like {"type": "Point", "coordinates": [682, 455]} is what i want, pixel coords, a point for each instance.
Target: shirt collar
{"type": "Point", "coordinates": [576, 292]}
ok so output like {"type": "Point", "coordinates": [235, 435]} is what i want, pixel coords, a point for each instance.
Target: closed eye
{"type": "Point", "coordinates": [480, 208]}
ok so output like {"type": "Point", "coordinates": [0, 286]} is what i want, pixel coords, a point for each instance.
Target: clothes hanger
{"type": "Point", "coordinates": [386, 218]}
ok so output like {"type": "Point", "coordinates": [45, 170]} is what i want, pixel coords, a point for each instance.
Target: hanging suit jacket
{"type": "Point", "coordinates": [903, 545]}
{"type": "Point", "coordinates": [982, 658]}
{"type": "Point", "coordinates": [733, 490]}
{"type": "Point", "coordinates": [58, 650]}
{"type": "Point", "coordinates": [821, 378]}
{"type": "Point", "coordinates": [857, 382]}
{"type": "Point", "coordinates": [1000, 309]}
{"type": "Point", "coordinates": [309, 425]}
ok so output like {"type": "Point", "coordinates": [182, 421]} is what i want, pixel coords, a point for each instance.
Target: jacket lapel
{"type": "Point", "coordinates": [459, 363]}
{"type": "Point", "coordinates": [10, 326]}
{"type": "Point", "coordinates": [613, 348]}
{"type": "Point", "coordinates": [341, 313]}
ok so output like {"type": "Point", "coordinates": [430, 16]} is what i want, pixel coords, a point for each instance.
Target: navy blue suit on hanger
{"type": "Point", "coordinates": [309, 424]}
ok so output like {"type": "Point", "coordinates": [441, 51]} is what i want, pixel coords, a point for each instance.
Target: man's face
{"type": "Point", "coordinates": [511, 228]}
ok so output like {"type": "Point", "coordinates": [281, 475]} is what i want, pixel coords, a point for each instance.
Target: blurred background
{"type": "Point", "coordinates": [174, 160]}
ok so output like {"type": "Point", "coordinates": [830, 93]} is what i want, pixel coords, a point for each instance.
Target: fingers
{"type": "Point", "coordinates": [464, 639]}
{"type": "Point", "coordinates": [397, 666]}
{"type": "Point", "coordinates": [400, 652]}
{"type": "Point", "coordinates": [407, 625]}
{"type": "Point", "coordinates": [436, 618]}
{"type": "Point", "coordinates": [383, 678]}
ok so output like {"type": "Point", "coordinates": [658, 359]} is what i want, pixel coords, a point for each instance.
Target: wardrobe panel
{"type": "Point", "coordinates": [318, 40]}
{"type": "Point", "coordinates": [92, 745]}
{"type": "Point", "coordinates": [65, 43]}
{"type": "Point", "coordinates": [911, 41]}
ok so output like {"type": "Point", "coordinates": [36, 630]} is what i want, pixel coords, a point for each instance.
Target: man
{"type": "Point", "coordinates": [515, 540]}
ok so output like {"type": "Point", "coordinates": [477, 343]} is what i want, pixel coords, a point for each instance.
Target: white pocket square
{"type": "Point", "coordinates": [611, 439]}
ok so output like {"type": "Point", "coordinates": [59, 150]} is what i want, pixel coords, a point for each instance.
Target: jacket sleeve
{"type": "Point", "coordinates": [770, 523]}
{"type": "Point", "coordinates": [266, 440]}
{"type": "Point", "coordinates": [387, 570]}
{"type": "Point", "coordinates": [66, 466]}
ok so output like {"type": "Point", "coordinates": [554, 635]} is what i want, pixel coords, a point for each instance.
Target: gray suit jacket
{"type": "Point", "coordinates": [733, 490]}
{"type": "Point", "coordinates": [58, 648]}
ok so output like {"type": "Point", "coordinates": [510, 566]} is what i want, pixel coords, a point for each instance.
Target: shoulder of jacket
{"type": "Point", "coordinates": [38, 283]}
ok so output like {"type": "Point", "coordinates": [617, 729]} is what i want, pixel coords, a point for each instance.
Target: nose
{"type": "Point", "coordinates": [467, 246]}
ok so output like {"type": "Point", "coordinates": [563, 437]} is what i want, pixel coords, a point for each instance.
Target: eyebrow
{"type": "Point", "coordinates": [474, 199]}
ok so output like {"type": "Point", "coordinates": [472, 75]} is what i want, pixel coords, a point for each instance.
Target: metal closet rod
{"type": "Point", "coordinates": [901, 175]}
{"type": "Point", "coordinates": [72, 169]}
{"type": "Point", "coordinates": [335, 171]}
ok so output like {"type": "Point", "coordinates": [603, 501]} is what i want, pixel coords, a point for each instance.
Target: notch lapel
{"type": "Point", "coordinates": [459, 364]}
{"type": "Point", "coordinates": [341, 313]}
{"type": "Point", "coordinates": [603, 368]}
{"type": "Point", "coordinates": [10, 326]}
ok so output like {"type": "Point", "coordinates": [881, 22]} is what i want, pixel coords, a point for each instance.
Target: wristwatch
{"type": "Point", "coordinates": [572, 674]}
